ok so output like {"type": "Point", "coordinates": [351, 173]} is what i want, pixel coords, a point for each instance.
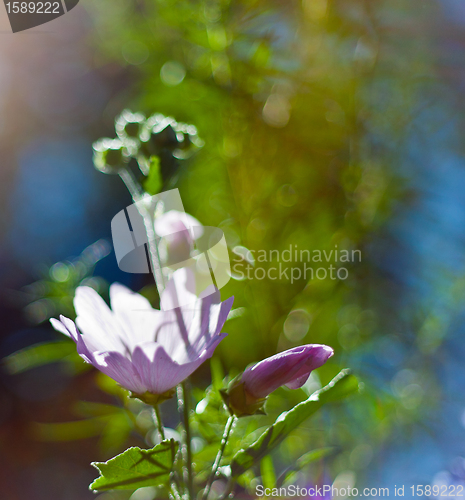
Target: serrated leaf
{"type": "Point", "coordinates": [136, 468]}
{"type": "Point", "coordinates": [340, 387]}
{"type": "Point", "coordinates": [154, 182]}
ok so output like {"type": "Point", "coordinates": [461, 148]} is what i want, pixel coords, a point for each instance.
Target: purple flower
{"type": "Point", "coordinates": [145, 350]}
{"type": "Point", "coordinates": [291, 368]}
{"type": "Point", "coordinates": [247, 393]}
{"type": "Point", "coordinates": [179, 230]}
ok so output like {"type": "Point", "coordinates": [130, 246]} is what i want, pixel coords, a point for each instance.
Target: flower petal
{"type": "Point", "coordinates": [135, 314]}
{"type": "Point", "coordinates": [119, 368]}
{"type": "Point", "coordinates": [60, 327]}
{"type": "Point", "coordinates": [291, 368]}
{"type": "Point", "coordinates": [101, 330]}
{"type": "Point", "coordinates": [208, 321]}
{"type": "Point", "coordinates": [68, 327]}
{"type": "Point", "coordinates": [124, 300]}
{"type": "Point", "coordinates": [159, 373]}
{"type": "Point", "coordinates": [180, 290]}
{"type": "Point", "coordinates": [174, 221]}
{"type": "Point", "coordinates": [317, 356]}
{"type": "Point", "coordinates": [187, 331]}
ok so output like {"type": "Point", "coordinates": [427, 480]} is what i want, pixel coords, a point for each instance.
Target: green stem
{"type": "Point", "coordinates": [160, 428]}
{"type": "Point", "coordinates": [148, 217]}
{"type": "Point", "coordinates": [229, 489]}
{"type": "Point", "coordinates": [183, 408]}
{"type": "Point", "coordinates": [227, 431]}
{"type": "Point", "coordinates": [132, 185]}
{"type": "Point", "coordinates": [174, 485]}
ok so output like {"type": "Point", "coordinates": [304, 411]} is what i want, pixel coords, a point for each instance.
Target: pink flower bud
{"type": "Point", "coordinates": [177, 230]}
{"type": "Point", "coordinates": [247, 393]}
{"type": "Point", "coordinates": [291, 368]}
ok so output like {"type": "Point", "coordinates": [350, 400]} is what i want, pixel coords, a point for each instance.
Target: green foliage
{"type": "Point", "coordinates": [304, 108]}
{"type": "Point", "coordinates": [343, 385]}
{"type": "Point", "coordinates": [53, 294]}
{"type": "Point", "coordinates": [302, 462]}
{"type": "Point", "coordinates": [136, 468]}
{"type": "Point", "coordinates": [70, 431]}
{"type": "Point", "coordinates": [40, 354]}
{"type": "Point", "coordinates": [153, 184]}
{"type": "Point", "coordinates": [267, 472]}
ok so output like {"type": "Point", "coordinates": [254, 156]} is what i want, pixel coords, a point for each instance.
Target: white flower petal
{"type": "Point", "coordinates": [101, 330]}
{"type": "Point", "coordinates": [134, 313]}
{"type": "Point", "coordinates": [144, 349]}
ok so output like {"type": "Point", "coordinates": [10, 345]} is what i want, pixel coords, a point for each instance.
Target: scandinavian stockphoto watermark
{"type": "Point", "coordinates": [155, 235]}
{"type": "Point", "coordinates": [294, 263]}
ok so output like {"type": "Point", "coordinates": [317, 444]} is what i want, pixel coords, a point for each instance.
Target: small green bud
{"type": "Point", "coordinates": [186, 143]}
{"type": "Point", "coordinates": [109, 155]}
{"type": "Point", "coordinates": [153, 399]}
{"type": "Point", "coordinates": [240, 402]}
{"type": "Point", "coordinates": [129, 125]}
{"type": "Point", "coordinates": [132, 130]}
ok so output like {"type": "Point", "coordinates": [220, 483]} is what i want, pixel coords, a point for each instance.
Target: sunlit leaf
{"type": "Point", "coordinates": [136, 468]}
{"type": "Point", "coordinates": [38, 355]}
{"type": "Point", "coordinates": [217, 373]}
{"type": "Point", "coordinates": [303, 461]}
{"type": "Point", "coordinates": [69, 431]}
{"type": "Point", "coordinates": [340, 387]}
{"type": "Point", "coordinates": [115, 433]}
{"type": "Point", "coordinates": [267, 472]}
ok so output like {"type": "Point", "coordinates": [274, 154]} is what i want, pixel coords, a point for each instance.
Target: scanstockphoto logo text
{"type": "Point", "coordinates": [293, 263]}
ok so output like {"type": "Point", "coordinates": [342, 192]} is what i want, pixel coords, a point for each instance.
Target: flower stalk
{"type": "Point", "coordinates": [224, 441]}
{"type": "Point", "coordinates": [174, 490]}
{"type": "Point", "coordinates": [158, 420]}
{"type": "Point", "coordinates": [183, 409]}
{"type": "Point", "coordinates": [137, 195]}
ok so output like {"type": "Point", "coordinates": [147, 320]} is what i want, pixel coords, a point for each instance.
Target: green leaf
{"type": "Point", "coordinates": [136, 468]}
{"type": "Point", "coordinates": [69, 431]}
{"type": "Point", "coordinates": [115, 433]}
{"type": "Point", "coordinates": [340, 387]}
{"type": "Point", "coordinates": [38, 355]}
{"type": "Point", "coordinates": [154, 182]}
{"type": "Point", "coordinates": [303, 461]}
{"type": "Point", "coordinates": [267, 472]}
{"type": "Point", "coordinates": [262, 55]}
{"type": "Point", "coordinates": [217, 373]}
{"type": "Point", "coordinates": [312, 456]}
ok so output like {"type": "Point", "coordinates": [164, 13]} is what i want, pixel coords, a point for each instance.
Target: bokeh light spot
{"type": "Point", "coordinates": [287, 196]}
{"type": "Point", "coordinates": [276, 111]}
{"type": "Point", "coordinates": [59, 272]}
{"type": "Point", "coordinates": [146, 493]}
{"type": "Point", "coordinates": [297, 324]}
{"type": "Point", "coordinates": [172, 73]}
{"type": "Point", "coordinates": [135, 52]}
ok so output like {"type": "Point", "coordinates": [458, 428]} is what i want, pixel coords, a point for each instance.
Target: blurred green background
{"type": "Point", "coordinates": [325, 122]}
